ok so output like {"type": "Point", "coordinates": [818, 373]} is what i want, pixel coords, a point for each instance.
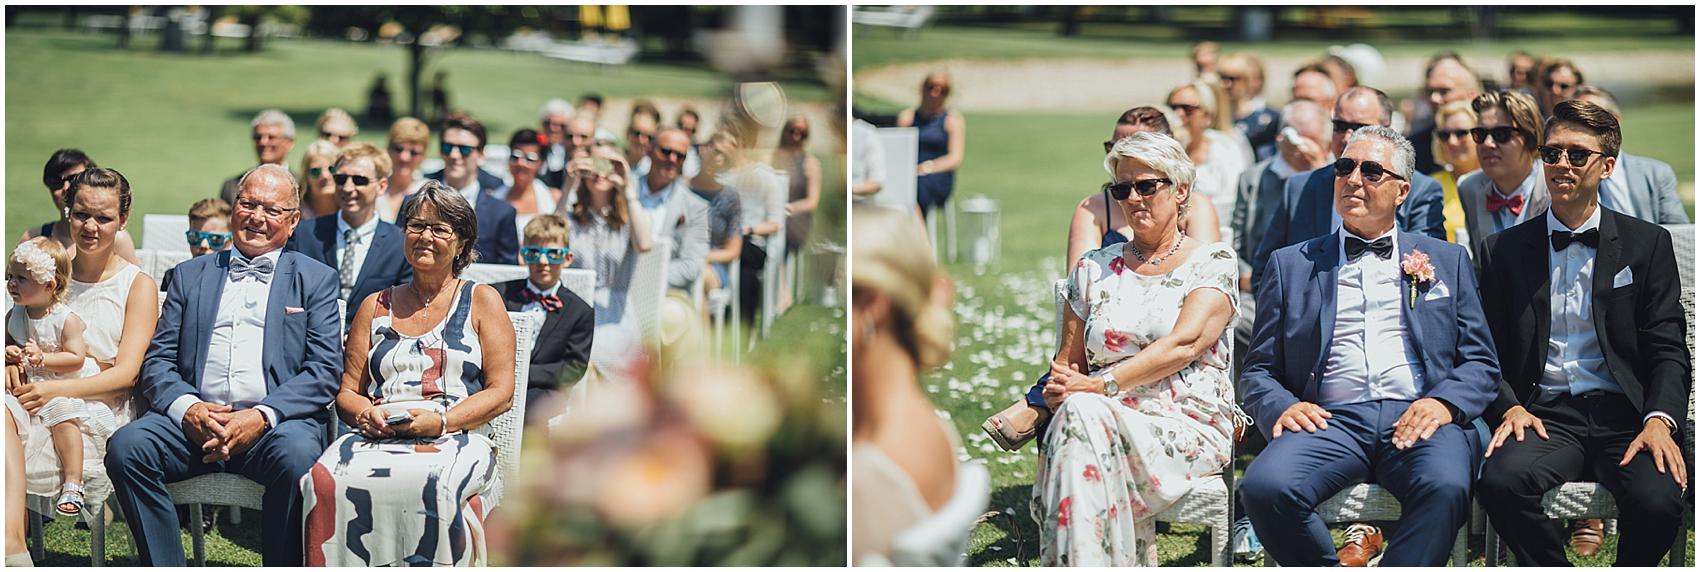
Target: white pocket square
{"type": "Point", "coordinates": [1437, 292]}
{"type": "Point", "coordinates": [1623, 278]}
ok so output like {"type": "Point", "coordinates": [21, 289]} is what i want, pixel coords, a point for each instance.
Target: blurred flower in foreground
{"type": "Point", "coordinates": [694, 463]}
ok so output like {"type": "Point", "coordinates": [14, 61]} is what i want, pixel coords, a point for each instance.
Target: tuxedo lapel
{"type": "Point", "coordinates": [1608, 261]}
{"type": "Point", "coordinates": [1326, 282]}
{"type": "Point", "coordinates": [1538, 251]}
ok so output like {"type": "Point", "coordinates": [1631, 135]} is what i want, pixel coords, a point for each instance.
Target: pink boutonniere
{"type": "Point", "coordinates": [1418, 269]}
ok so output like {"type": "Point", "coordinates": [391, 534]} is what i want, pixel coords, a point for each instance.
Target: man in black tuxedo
{"type": "Point", "coordinates": [366, 251]}
{"type": "Point", "coordinates": [564, 334]}
{"type": "Point", "coordinates": [1583, 304]}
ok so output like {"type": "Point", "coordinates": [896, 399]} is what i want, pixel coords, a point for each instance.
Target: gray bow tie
{"type": "Point", "coordinates": [256, 268]}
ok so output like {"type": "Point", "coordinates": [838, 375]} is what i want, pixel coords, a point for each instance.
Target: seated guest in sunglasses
{"type": "Point", "coordinates": [62, 168]}
{"type": "Point", "coordinates": [462, 146]}
{"type": "Point", "coordinates": [1583, 302]}
{"type": "Point", "coordinates": [365, 251]}
{"type": "Point", "coordinates": [209, 231]}
{"type": "Point", "coordinates": [1307, 204]}
{"type": "Point", "coordinates": [1369, 359]}
{"type": "Point", "coordinates": [1509, 189]}
{"type": "Point", "coordinates": [563, 335]}
{"type": "Point", "coordinates": [527, 194]}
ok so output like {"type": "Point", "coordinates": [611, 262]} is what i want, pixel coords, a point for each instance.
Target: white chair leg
{"type": "Point", "coordinates": [97, 536]}
{"type": "Point", "coordinates": [1492, 546]}
{"type": "Point", "coordinates": [197, 535]}
{"type": "Point", "coordinates": [1221, 554]}
{"type": "Point", "coordinates": [236, 511]}
{"type": "Point", "coordinates": [38, 550]}
{"type": "Point", "coordinates": [1461, 546]}
{"type": "Point", "coordinates": [950, 225]}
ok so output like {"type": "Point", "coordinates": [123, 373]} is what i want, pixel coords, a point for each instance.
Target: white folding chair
{"type": "Point", "coordinates": [493, 273]}
{"type": "Point", "coordinates": [649, 289]}
{"type": "Point", "coordinates": [581, 282]}
{"type": "Point", "coordinates": [164, 232]}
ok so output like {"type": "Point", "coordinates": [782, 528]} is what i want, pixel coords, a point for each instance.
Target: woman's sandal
{"type": "Point", "coordinates": [1004, 430]}
{"type": "Point", "coordinates": [70, 495]}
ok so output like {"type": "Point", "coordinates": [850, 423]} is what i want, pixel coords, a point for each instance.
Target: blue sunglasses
{"type": "Point", "coordinates": [216, 241]}
{"type": "Point", "coordinates": [536, 254]}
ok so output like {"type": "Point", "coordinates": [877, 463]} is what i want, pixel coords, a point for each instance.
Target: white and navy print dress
{"type": "Point", "coordinates": [407, 502]}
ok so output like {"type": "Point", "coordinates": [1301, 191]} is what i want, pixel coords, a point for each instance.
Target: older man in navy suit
{"type": "Point", "coordinates": [1307, 210]}
{"type": "Point", "coordinates": [365, 251]}
{"type": "Point", "coordinates": [237, 378]}
{"type": "Point", "coordinates": [1369, 359]}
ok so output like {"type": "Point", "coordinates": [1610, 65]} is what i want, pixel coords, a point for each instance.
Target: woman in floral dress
{"type": "Point", "coordinates": [1141, 388]}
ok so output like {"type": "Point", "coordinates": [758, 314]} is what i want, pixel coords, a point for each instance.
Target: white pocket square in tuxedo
{"type": "Point", "coordinates": [293, 310]}
{"type": "Point", "coordinates": [1438, 291]}
{"type": "Point", "coordinates": [1623, 278]}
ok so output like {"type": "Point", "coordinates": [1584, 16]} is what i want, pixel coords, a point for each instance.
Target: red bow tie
{"type": "Point", "coordinates": [550, 303]}
{"type": "Point", "coordinates": [1514, 202]}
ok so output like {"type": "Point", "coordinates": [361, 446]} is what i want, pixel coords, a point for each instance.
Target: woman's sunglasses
{"type": "Point", "coordinates": [216, 241]}
{"type": "Point", "coordinates": [1449, 134]}
{"type": "Point", "coordinates": [1501, 135]}
{"type": "Point", "coordinates": [1373, 171]}
{"type": "Point", "coordinates": [536, 254]}
{"type": "Point", "coordinates": [1145, 188]}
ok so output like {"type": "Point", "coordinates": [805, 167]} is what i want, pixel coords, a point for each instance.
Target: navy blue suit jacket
{"type": "Point", "coordinates": [498, 237]}
{"type": "Point", "coordinates": [1295, 328]}
{"type": "Point", "coordinates": [1307, 211]}
{"type": "Point", "coordinates": [302, 355]}
{"type": "Point", "coordinates": [385, 263]}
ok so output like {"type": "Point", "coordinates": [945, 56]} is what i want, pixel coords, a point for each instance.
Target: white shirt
{"type": "Point", "coordinates": [470, 193]}
{"type": "Point", "coordinates": [535, 309]}
{"type": "Point", "coordinates": [1371, 357]}
{"type": "Point", "coordinates": [869, 153]}
{"type": "Point", "coordinates": [655, 203]}
{"type": "Point", "coordinates": [1575, 364]}
{"type": "Point", "coordinates": [234, 373]}
{"type": "Point", "coordinates": [363, 245]}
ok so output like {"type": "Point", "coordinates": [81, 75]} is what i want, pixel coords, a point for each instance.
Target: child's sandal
{"type": "Point", "coordinates": [70, 500]}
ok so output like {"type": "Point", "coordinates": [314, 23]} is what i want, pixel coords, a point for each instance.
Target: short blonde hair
{"type": "Point", "coordinates": [1160, 151]}
{"type": "Point", "coordinates": [1437, 146]}
{"type": "Point", "coordinates": [362, 150]}
{"type": "Point", "coordinates": [885, 263]}
{"type": "Point", "coordinates": [548, 227]}
{"type": "Point", "coordinates": [410, 130]}
{"type": "Point", "coordinates": [336, 114]}
{"type": "Point", "coordinates": [207, 209]}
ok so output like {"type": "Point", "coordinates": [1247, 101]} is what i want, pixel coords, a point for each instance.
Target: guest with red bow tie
{"type": "Point", "coordinates": [1509, 188]}
{"type": "Point", "coordinates": [565, 323]}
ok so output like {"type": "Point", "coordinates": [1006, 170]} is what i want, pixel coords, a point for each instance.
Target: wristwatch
{"type": "Point", "coordinates": [1111, 388]}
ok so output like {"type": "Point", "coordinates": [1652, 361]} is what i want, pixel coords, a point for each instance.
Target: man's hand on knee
{"type": "Point", "coordinates": [1303, 415]}
{"type": "Point", "coordinates": [1420, 421]}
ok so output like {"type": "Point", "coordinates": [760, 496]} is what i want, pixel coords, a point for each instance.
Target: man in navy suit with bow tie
{"type": "Point", "coordinates": [1369, 359]}
{"type": "Point", "coordinates": [237, 378]}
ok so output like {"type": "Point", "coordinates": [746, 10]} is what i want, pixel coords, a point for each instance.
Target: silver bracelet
{"type": "Point", "coordinates": [445, 416]}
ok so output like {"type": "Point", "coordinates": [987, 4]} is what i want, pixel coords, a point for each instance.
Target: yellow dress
{"type": "Point", "coordinates": [1454, 210]}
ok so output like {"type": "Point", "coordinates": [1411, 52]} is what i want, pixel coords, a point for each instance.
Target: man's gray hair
{"type": "Point", "coordinates": [1404, 155]}
{"type": "Point", "coordinates": [1381, 100]}
{"type": "Point", "coordinates": [1160, 151]}
{"type": "Point", "coordinates": [278, 172]}
{"type": "Point", "coordinates": [1306, 116]}
{"type": "Point", "coordinates": [275, 117]}
{"type": "Point", "coordinates": [558, 106]}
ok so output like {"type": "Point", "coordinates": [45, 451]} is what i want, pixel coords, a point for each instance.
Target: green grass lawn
{"type": "Point", "coordinates": [1038, 167]}
{"type": "Point", "coordinates": [177, 125]}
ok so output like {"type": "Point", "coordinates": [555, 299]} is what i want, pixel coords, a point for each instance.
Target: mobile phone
{"type": "Point", "coordinates": [1291, 135]}
{"type": "Point", "coordinates": [398, 418]}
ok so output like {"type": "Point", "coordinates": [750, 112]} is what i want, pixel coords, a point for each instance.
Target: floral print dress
{"type": "Point", "coordinates": [1108, 466]}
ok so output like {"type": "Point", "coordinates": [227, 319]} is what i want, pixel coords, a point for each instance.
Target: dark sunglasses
{"type": "Point", "coordinates": [524, 156]}
{"type": "Point", "coordinates": [1450, 134]}
{"type": "Point", "coordinates": [216, 241]}
{"type": "Point", "coordinates": [465, 150]}
{"type": "Point", "coordinates": [1145, 188]}
{"type": "Point", "coordinates": [1373, 171]}
{"type": "Point", "coordinates": [1501, 135]}
{"type": "Point", "coordinates": [1343, 126]}
{"type": "Point", "coordinates": [536, 254]}
{"type": "Point", "coordinates": [60, 181]}
{"type": "Point", "coordinates": [1578, 157]}
{"type": "Point", "coordinates": [317, 172]}
{"type": "Point", "coordinates": [1227, 78]}
{"type": "Point", "coordinates": [334, 137]}
{"type": "Point", "coordinates": [399, 149]}
{"type": "Point", "coordinates": [671, 154]}
{"type": "Point", "coordinates": [1108, 145]}
{"type": "Point", "coordinates": [639, 134]}
{"type": "Point", "coordinates": [359, 180]}
{"type": "Point", "coordinates": [1183, 108]}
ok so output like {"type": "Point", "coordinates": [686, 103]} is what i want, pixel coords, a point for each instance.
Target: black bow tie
{"type": "Point", "coordinates": [1382, 247]}
{"type": "Point", "coordinates": [1589, 238]}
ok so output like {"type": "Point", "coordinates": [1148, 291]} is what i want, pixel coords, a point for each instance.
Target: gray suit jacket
{"type": "Point", "coordinates": [1259, 194]}
{"type": "Point", "coordinates": [1652, 189]}
{"type": "Point", "coordinates": [1472, 193]}
{"type": "Point", "coordinates": [686, 220]}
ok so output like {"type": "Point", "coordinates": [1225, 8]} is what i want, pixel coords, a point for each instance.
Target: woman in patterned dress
{"type": "Point", "coordinates": [1141, 388]}
{"type": "Point", "coordinates": [438, 352]}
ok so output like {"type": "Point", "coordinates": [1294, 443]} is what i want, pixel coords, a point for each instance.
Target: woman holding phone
{"type": "Point", "coordinates": [434, 366]}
